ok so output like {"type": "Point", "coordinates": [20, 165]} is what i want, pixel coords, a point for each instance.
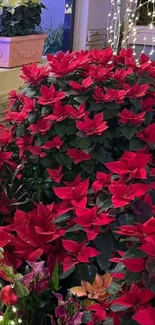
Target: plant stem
{"type": "Point", "coordinates": [32, 318]}
{"type": "Point", "coordinates": [7, 315]}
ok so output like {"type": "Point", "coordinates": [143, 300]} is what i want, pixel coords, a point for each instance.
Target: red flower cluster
{"type": "Point", "coordinates": [82, 144]}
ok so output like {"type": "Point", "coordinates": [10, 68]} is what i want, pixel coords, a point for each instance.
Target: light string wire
{"type": "Point", "coordinates": [151, 27]}
{"type": "Point", "coordinates": [114, 24]}
{"type": "Point", "coordinates": [110, 22]}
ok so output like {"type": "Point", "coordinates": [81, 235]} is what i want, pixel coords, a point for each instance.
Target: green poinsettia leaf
{"type": "Point", "coordinates": [103, 202]}
{"type": "Point", "coordinates": [104, 244]}
{"type": "Point", "coordinates": [87, 272]}
{"type": "Point", "coordinates": [103, 262]}
{"type": "Point", "coordinates": [47, 162]}
{"type": "Point", "coordinates": [150, 266]}
{"type": "Point", "coordinates": [94, 107]}
{"type": "Point", "coordinates": [65, 275]}
{"type": "Point", "coordinates": [88, 166]}
{"type": "Point", "coordinates": [101, 155]}
{"type": "Point", "coordinates": [128, 131]}
{"type": "Point", "coordinates": [134, 252]}
{"type": "Point", "coordinates": [32, 118]}
{"type": "Point", "coordinates": [61, 219]}
{"type": "Point", "coordinates": [81, 143]}
{"type": "Point", "coordinates": [116, 308]}
{"type": "Point", "coordinates": [63, 160]}
{"type": "Point", "coordinates": [112, 106]}
{"type": "Point", "coordinates": [110, 113]}
{"type": "Point", "coordinates": [109, 321]}
{"type": "Point", "coordinates": [114, 288]}
{"type": "Point", "coordinates": [60, 129]}
{"type": "Point", "coordinates": [136, 103]}
{"type": "Point", "coordinates": [70, 129]}
{"type": "Point", "coordinates": [74, 228]}
{"type": "Point", "coordinates": [20, 131]}
{"type": "Point", "coordinates": [120, 267]}
{"type": "Point", "coordinates": [136, 144]}
{"type": "Point", "coordinates": [81, 99]}
{"type": "Point", "coordinates": [132, 277]}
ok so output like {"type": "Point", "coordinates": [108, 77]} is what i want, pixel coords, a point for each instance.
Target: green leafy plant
{"type": "Point", "coordinates": [13, 22]}
{"type": "Point", "coordinates": [54, 40]}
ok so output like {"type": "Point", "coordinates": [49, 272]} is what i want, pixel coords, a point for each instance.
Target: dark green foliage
{"type": "Point", "coordinates": [54, 40]}
{"type": "Point", "coordinates": [21, 21]}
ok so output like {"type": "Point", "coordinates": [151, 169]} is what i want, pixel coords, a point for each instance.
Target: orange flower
{"type": "Point", "coordinates": [97, 290]}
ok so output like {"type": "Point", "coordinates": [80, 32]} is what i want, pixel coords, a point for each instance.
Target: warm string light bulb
{"type": "Point", "coordinates": [14, 309]}
{"type": "Point", "coordinates": [131, 23]}
{"type": "Point", "coordinates": [151, 25]}
{"type": "Point", "coordinates": [114, 24]}
{"type": "Point", "coordinates": [112, 17]}
{"type": "Point", "coordinates": [12, 322]}
{"type": "Point", "coordinates": [144, 40]}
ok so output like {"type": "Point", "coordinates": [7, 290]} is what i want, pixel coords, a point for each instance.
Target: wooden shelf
{"type": "Point", "coordinates": [10, 79]}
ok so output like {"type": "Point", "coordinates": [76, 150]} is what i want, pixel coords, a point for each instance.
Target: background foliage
{"type": "Point", "coordinates": [13, 22]}
{"type": "Point", "coordinates": [54, 40]}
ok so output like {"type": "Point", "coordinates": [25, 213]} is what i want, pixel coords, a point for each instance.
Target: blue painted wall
{"type": "Point", "coordinates": [54, 15]}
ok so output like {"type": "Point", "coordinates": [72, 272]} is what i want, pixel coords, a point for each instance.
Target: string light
{"type": "Point", "coordinates": [14, 309]}
{"type": "Point", "coordinates": [68, 9]}
{"type": "Point", "coordinates": [151, 27]}
{"type": "Point", "coordinates": [112, 16]}
{"type": "Point", "coordinates": [133, 10]}
{"type": "Point", "coordinates": [12, 322]}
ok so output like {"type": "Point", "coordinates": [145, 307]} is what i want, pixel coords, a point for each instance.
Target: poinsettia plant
{"type": "Point", "coordinates": [82, 142]}
{"type": "Point", "coordinates": [13, 13]}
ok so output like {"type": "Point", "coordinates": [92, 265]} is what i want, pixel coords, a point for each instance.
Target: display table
{"type": "Point", "coordinates": [10, 79]}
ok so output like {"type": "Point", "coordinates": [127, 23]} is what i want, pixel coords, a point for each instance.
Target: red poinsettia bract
{"type": "Point", "coordinates": [79, 253]}
{"type": "Point", "coordinates": [50, 95]}
{"type": "Point", "coordinates": [76, 196]}
{"type": "Point", "coordinates": [92, 126]}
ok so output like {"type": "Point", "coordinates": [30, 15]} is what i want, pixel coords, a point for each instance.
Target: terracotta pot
{"type": "Point", "coordinates": [16, 51]}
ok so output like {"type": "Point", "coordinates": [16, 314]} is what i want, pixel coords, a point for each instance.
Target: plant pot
{"type": "Point", "coordinates": [16, 51]}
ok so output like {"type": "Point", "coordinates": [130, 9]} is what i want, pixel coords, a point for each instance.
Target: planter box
{"type": "Point", "coordinates": [16, 51]}
{"type": "Point", "coordinates": [141, 33]}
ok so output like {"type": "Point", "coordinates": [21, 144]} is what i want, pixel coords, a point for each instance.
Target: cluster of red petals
{"type": "Point", "coordinates": [89, 131]}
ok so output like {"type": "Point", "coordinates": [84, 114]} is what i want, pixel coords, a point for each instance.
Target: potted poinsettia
{"type": "Point", "coordinates": [20, 39]}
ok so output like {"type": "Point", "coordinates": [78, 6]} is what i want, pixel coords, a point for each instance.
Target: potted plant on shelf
{"type": "Point", "coordinates": [21, 42]}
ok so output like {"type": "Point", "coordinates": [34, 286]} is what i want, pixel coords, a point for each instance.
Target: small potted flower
{"type": "Point", "coordinates": [21, 42]}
